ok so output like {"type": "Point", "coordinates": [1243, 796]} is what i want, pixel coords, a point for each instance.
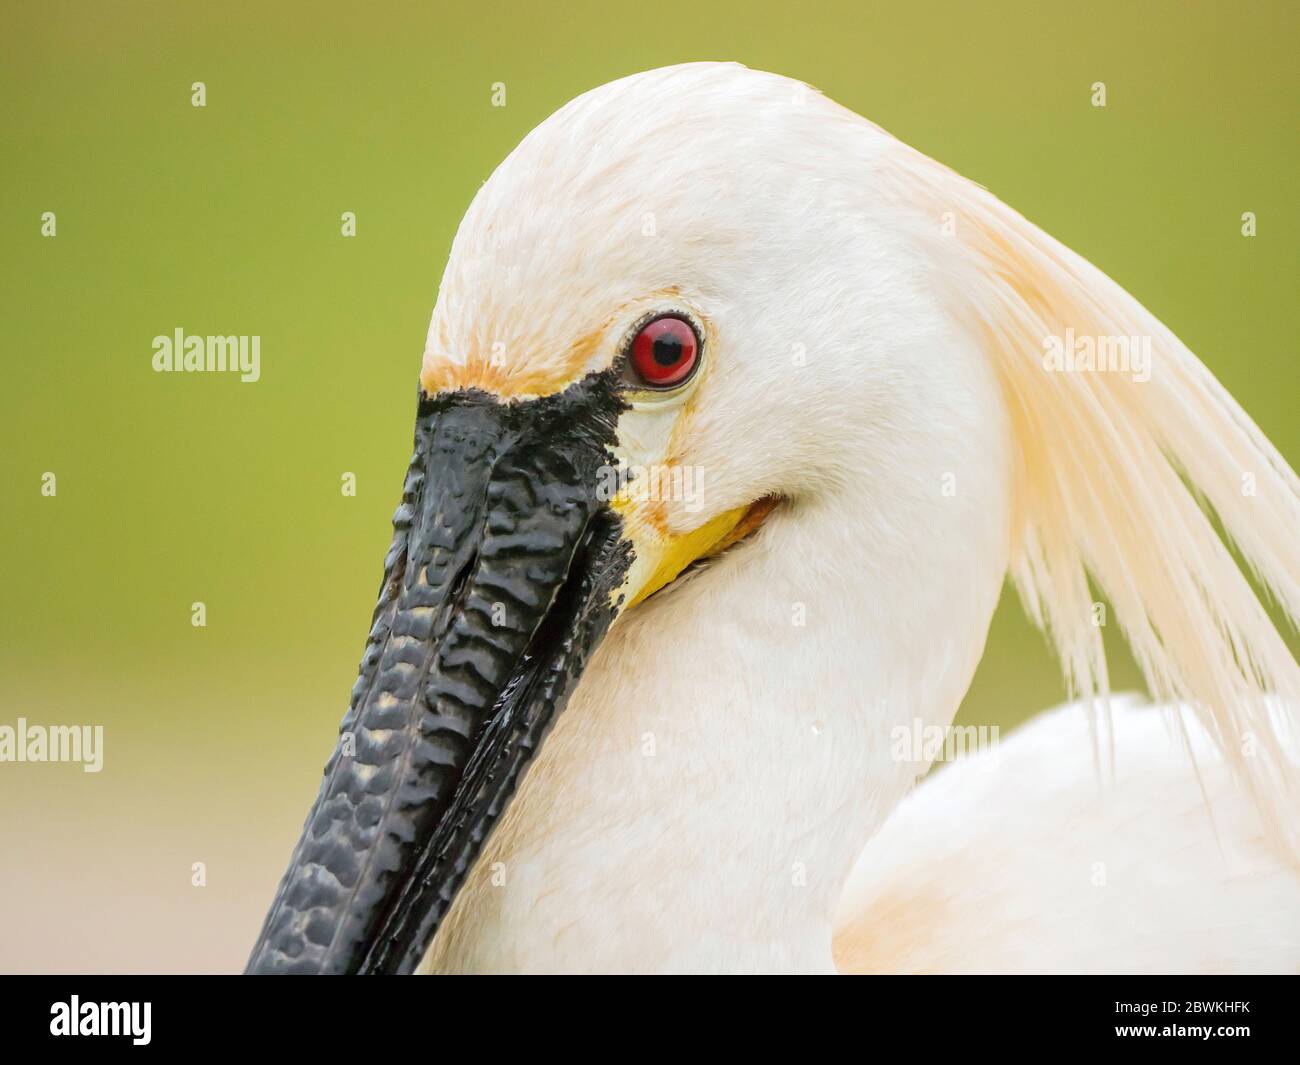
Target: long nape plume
{"type": "Point", "coordinates": [1115, 475]}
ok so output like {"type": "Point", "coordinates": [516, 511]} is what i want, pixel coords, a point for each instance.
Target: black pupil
{"type": "Point", "coordinates": [667, 349]}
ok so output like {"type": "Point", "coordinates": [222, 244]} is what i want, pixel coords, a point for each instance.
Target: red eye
{"type": "Point", "coordinates": [664, 353]}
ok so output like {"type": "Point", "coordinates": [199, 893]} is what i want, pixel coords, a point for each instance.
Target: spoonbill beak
{"type": "Point", "coordinates": [503, 576]}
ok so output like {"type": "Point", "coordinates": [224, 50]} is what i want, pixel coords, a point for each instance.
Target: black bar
{"type": "Point", "coordinates": [392, 1017]}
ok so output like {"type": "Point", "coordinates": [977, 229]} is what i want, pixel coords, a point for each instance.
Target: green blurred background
{"type": "Point", "coordinates": [181, 488]}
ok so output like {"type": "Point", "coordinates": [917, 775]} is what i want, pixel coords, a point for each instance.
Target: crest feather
{"type": "Point", "coordinates": [1118, 481]}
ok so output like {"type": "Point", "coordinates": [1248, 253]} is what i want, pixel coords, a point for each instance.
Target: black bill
{"type": "Point", "coordinates": [497, 588]}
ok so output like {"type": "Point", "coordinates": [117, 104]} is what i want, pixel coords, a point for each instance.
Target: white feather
{"type": "Point", "coordinates": [1019, 859]}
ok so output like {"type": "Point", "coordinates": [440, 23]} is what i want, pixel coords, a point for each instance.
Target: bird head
{"type": "Point", "coordinates": [690, 306]}
{"type": "Point", "coordinates": [717, 216]}
{"type": "Point", "coordinates": [653, 332]}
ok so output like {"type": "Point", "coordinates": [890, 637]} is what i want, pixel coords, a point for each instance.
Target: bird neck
{"type": "Point", "coordinates": [731, 749]}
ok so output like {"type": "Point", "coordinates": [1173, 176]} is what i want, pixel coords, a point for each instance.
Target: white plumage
{"type": "Point", "coordinates": [1021, 860]}
{"type": "Point", "coordinates": [874, 335]}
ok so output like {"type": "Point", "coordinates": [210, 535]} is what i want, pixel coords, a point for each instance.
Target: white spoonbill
{"type": "Point", "coordinates": [734, 415]}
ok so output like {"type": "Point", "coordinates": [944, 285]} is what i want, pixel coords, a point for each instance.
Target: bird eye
{"type": "Point", "coordinates": [664, 353]}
